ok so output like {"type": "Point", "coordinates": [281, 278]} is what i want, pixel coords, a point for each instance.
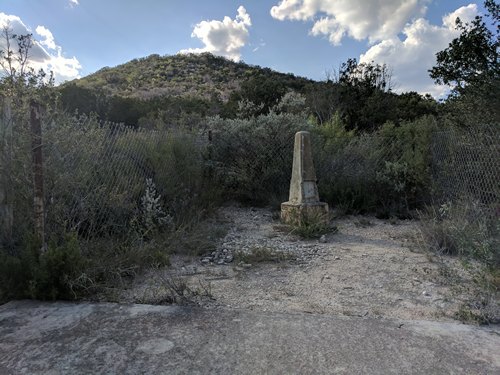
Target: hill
{"type": "Point", "coordinates": [201, 75]}
{"type": "Point", "coordinates": [179, 90]}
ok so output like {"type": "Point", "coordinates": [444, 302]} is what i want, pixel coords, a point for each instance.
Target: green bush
{"type": "Point", "coordinates": [253, 157]}
{"type": "Point", "coordinates": [462, 228]}
{"type": "Point", "coordinates": [386, 172]}
{"type": "Point", "coordinates": [42, 274]}
{"type": "Point", "coordinates": [124, 194]}
{"type": "Point", "coordinates": [96, 176]}
{"type": "Point", "coordinates": [312, 227]}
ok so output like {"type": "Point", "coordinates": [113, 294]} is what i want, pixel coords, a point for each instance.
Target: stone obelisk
{"type": "Point", "coordinates": [303, 204]}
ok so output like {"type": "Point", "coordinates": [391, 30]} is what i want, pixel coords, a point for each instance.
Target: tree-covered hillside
{"type": "Point", "coordinates": [203, 76]}
{"type": "Point", "coordinates": [183, 89]}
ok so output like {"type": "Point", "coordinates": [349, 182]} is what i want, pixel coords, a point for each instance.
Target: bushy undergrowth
{"type": "Point", "coordinates": [46, 274]}
{"type": "Point", "coordinates": [384, 172]}
{"type": "Point", "coordinates": [252, 157]}
{"type": "Point", "coordinates": [119, 200]}
{"type": "Point", "coordinates": [463, 228]}
{"type": "Point", "coordinates": [124, 196]}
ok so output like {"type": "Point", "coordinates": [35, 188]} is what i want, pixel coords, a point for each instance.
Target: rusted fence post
{"type": "Point", "coordinates": [210, 156]}
{"type": "Point", "coordinates": [36, 149]}
{"type": "Point", "coordinates": [6, 206]}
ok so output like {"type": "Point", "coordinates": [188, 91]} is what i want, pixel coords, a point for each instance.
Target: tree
{"type": "Point", "coordinates": [18, 79]}
{"type": "Point", "coordinates": [472, 57]}
{"type": "Point", "coordinates": [470, 67]}
{"type": "Point", "coordinates": [14, 63]}
{"type": "Point", "coordinates": [368, 76]}
{"type": "Point", "coordinates": [20, 88]}
{"type": "Point", "coordinates": [360, 93]}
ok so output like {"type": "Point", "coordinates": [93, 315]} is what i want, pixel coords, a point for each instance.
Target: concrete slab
{"type": "Point", "coordinates": [85, 338]}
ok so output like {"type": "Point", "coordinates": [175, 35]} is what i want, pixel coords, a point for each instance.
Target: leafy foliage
{"type": "Point", "coordinates": [46, 275]}
{"type": "Point", "coordinates": [472, 58]}
{"type": "Point", "coordinates": [470, 67]}
{"type": "Point", "coordinates": [143, 92]}
{"type": "Point", "coordinates": [386, 171]}
{"type": "Point", "coordinates": [253, 157]}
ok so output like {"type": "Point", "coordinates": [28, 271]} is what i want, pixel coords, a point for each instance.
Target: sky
{"type": "Point", "coordinates": [309, 38]}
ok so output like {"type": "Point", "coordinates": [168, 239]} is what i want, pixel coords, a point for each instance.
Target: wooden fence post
{"type": "Point", "coordinates": [36, 149]}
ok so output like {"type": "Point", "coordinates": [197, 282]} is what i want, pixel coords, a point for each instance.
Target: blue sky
{"type": "Point", "coordinates": [304, 37]}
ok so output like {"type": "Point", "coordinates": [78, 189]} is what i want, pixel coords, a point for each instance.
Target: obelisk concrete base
{"type": "Point", "coordinates": [304, 213]}
{"type": "Point", "coordinates": [303, 206]}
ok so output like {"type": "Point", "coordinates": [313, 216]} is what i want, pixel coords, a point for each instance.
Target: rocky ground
{"type": "Point", "coordinates": [366, 267]}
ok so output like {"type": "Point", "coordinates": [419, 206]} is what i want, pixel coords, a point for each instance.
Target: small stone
{"type": "Point", "coordinates": [205, 260]}
{"type": "Point", "coordinates": [322, 239]}
{"type": "Point", "coordinates": [337, 258]}
{"type": "Point", "coordinates": [328, 277]}
{"type": "Point", "coordinates": [425, 293]}
{"type": "Point", "coordinates": [246, 265]}
{"type": "Point", "coordinates": [220, 262]}
{"type": "Point", "coordinates": [229, 258]}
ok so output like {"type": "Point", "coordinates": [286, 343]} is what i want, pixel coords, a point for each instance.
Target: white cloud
{"type": "Point", "coordinates": [73, 3]}
{"type": "Point", "coordinates": [411, 57]}
{"type": "Point", "coordinates": [382, 23]}
{"type": "Point", "coordinates": [374, 20]}
{"type": "Point", "coordinates": [223, 38]}
{"type": "Point", "coordinates": [45, 54]}
{"type": "Point", "coordinates": [48, 40]}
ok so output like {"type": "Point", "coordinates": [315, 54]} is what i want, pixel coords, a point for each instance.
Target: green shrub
{"type": "Point", "coordinates": [386, 172]}
{"type": "Point", "coordinates": [312, 228]}
{"type": "Point", "coordinates": [462, 228]}
{"type": "Point", "coordinates": [253, 157]}
{"type": "Point", "coordinates": [42, 274]}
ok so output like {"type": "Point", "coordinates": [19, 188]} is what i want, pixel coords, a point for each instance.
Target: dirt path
{"type": "Point", "coordinates": [370, 267]}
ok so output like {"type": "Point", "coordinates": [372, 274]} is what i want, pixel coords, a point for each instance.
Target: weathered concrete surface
{"type": "Point", "coordinates": [303, 202]}
{"type": "Point", "coordinates": [65, 338]}
{"type": "Point", "coordinates": [303, 187]}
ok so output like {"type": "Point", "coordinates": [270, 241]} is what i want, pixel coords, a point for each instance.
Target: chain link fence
{"type": "Point", "coordinates": [106, 180]}
{"type": "Point", "coordinates": [466, 167]}
{"type": "Point", "coordinates": [465, 216]}
{"type": "Point", "coordinates": [99, 179]}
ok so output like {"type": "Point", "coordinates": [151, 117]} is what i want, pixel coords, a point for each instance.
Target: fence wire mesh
{"type": "Point", "coordinates": [96, 174]}
{"type": "Point", "coordinates": [466, 167]}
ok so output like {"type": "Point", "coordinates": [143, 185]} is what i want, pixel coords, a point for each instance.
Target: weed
{"type": "Point", "coordinates": [478, 282]}
{"type": "Point", "coordinates": [393, 220]}
{"type": "Point", "coordinates": [307, 222]}
{"type": "Point", "coordinates": [363, 222]}
{"type": "Point", "coordinates": [313, 228]}
{"type": "Point", "coordinates": [168, 289]}
{"type": "Point", "coordinates": [475, 313]}
{"type": "Point", "coordinates": [460, 229]}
